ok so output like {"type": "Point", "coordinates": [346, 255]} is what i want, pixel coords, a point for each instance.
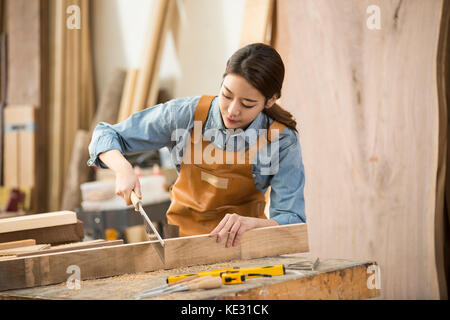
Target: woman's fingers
{"type": "Point", "coordinates": [220, 226]}
{"type": "Point", "coordinates": [233, 233]}
{"type": "Point", "coordinates": [137, 189]}
{"type": "Point", "coordinates": [126, 183]}
{"type": "Point", "coordinates": [226, 228]}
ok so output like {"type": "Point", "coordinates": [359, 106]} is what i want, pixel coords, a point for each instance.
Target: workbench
{"type": "Point", "coordinates": [332, 279]}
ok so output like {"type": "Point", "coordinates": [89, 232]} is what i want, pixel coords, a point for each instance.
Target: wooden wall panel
{"type": "Point", "coordinates": [366, 103]}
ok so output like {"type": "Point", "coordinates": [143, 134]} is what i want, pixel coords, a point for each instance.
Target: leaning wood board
{"type": "Point", "coordinates": [370, 100]}
{"type": "Point", "coordinates": [333, 279]}
{"type": "Point", "coordinates": [142, 257]}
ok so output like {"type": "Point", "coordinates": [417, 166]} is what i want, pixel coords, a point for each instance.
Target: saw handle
{"type": "Point", "coordinates": [135, 200]}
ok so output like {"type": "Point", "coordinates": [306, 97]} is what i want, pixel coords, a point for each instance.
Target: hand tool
{"type": "Point", "coordinates": [205, 282]}
{"type": "Point", "coordinates": [274, 270]}
{"type": "Point", "coordinates": [304, 265]}
{"type": "Point", "coordinates": [148, 223]}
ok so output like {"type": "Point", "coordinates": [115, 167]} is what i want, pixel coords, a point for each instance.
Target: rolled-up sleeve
{"type": "Point", "coordinates": [287, 202]}
{"type": "Point", "coordinates": [149, 129]}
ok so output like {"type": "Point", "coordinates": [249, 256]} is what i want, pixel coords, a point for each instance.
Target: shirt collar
{"type": "Point", "coordinates": [260, 122]}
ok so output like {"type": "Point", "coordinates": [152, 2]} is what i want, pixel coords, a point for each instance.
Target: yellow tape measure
{"type": "Point", "coordinates": [234, 275]}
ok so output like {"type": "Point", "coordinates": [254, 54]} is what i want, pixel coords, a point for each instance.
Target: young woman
{"type": "Point", "coordinates": [227, 150]}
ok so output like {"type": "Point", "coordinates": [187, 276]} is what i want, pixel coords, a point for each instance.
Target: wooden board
{"type": "Point", "coordinates": [373, 184]}
{"type": "Point", "coordinates": [56, 101]}
{"type": "Point", "coordinates": [20, 145]}
{"type": "Point", "coordinates": [24, 51]}
{"type": "Point", "coordinates": [36, 221]}
{"type": "Point", "coordinates": [17, 244]}
{"type": "Point", "coordinates": [27, 249]}
{"type": "Point", "coordinates": [333, 279]}
{"type": "Point", "coordinates": [149, 54]}
{"type": "Point", "coordinates": [127, 94]}
{"type": "Point", "coordinates": [51, 235]}
{"type": "Point", "coordinates": [73, 246]}
{"type": "Point", "coordinates": [141, 257]}
{"type": "Point", "coordinates": [154, 87]}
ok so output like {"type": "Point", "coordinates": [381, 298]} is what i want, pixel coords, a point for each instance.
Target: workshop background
{"type": "Point", "coordinates": [367, 80]}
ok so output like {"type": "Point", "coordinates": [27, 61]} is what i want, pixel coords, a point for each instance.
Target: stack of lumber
{"type": "Point", "coordinates": [127, 92]}
{"type": "Point", "coordinates": [376, 102]}
{"type": "Point", "coordinates": [45, 228]}
{"type": "Point", "coordinates": [72, 98]}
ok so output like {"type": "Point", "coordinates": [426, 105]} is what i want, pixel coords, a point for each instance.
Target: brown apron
{"type": "Point", "coordinates": [204, 193]}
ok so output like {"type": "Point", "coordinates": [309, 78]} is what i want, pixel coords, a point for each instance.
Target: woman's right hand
{"type": "Point", "coordinates": [127, 181]}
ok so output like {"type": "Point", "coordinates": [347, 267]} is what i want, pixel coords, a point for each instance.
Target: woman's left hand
{"type": "Point", "coordinates": [236, 225]}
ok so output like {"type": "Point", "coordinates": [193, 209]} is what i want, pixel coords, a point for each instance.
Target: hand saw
{"type": "Point", "coordinates": [148, 224]}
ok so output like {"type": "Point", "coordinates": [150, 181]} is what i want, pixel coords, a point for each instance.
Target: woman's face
{"type": "Point", "coordinates": [240, 102]}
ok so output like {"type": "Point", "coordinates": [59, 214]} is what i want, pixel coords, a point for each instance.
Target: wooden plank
{"type": "Point", "coordinates": [380, 177]}
{"type": "Point", "coordinates": [260, 243]}
{"type": "Point", "coordinates": [11, 158]}
{"type": "Point", "coordinates": [94, 263]}
{"type": "Point", "coordinates": [51, 235]}
{"type": "Point", "coordinates": [128, 94]}
{"type": "Point", "coordinates": [20, 139]}
{"type": "Point", "coordinates": [150, 52]}
{"type": "Point", "coordinates": [27, 249]}
{"type": "Point", "coordinates": [17, 244]}
{"type": "Point", "coordinates": [130, 258]}
{"type": "Point", "coordinates": [87, 83]}
{"type": "Point", "coordinates": [74, 246]}
{"type": "Point", "coordinates": [442, 217]}
{"type": "Point", "coordinates": [69, 126]}
{"type": "Point", "coordinates": [56, 105]}
{"type": "Point", "coordinates": [3, 81]}
{"type": "Point", "coordinates": [256, 22]}
{"type": "Point", "coordinates": [35, 221]}
{"type": "Point", "coordinates": [21, 149]}
{"type": "Point", "coordinates": [24, 51]}
{"type": "Point", "coordinates": [152, 98]}
{"type": "Point", "coordinates": [200, 249]}
{"type": "Point", "coordinates": [333, 279]}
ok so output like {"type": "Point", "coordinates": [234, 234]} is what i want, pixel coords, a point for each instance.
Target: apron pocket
{"type": "Point", "coordinates": [218, 182]}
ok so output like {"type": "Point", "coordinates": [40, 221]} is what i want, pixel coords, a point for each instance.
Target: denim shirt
{"type": "Point", "coordinates": [169, 124]}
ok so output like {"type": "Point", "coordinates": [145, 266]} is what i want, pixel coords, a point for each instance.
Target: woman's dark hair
{"type": "Point", "coordinates": [263, 68]}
